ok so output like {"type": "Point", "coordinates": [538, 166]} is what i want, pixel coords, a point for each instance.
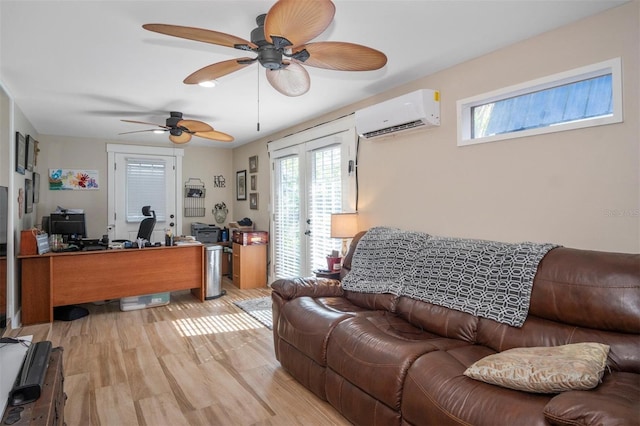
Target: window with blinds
{"type": "Point", "coordinates": [145, 186]}
{"type": "Point", "coordinates": [325, 197]}
{"type": "Point", "coordinates": [287, 218]}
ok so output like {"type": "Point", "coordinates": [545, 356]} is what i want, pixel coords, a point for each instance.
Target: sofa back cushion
{"type": "Point", "coordinates": [438, 319]}
{"type": "Point", "coordinates": [588, 289]}
{"type": "Point", "coordinates": [624, 354]}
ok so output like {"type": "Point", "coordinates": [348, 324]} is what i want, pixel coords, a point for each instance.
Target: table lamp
{"type": "Point", "coordinates": [345, 226]}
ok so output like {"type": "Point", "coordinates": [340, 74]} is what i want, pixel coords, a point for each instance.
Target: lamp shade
{"type": "Point", "coordinates": [344, 225]}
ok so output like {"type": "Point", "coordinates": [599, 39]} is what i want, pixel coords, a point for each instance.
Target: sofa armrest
{"type": "Point", "coordinates": [613, 402]}
{"type": "Point", "coordinates": [291, 288]}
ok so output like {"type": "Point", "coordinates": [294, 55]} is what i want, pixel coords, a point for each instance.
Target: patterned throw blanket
{"type": "Point", "coordinates": [483, 278]}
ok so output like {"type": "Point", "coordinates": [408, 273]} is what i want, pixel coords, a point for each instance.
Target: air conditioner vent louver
{"type": "Point", "coordinates": [393, 129]}
{"type": "Point", "coordinates": [416, 109]}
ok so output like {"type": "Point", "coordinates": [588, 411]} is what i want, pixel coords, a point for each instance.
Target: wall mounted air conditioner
{"type": "Point", "coordinates": [419, 109]}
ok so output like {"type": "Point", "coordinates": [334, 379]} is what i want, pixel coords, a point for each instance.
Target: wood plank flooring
{"type": "Point", "coordinates": [187, 363]}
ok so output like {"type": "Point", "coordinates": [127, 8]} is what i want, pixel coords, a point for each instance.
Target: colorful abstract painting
{"type": "Point", "coordinates": [65, 179]}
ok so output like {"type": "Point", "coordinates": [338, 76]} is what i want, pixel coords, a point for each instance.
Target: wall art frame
{"type": "Point", "coordinates": [241, 185]}
{"type": "Point", "coordinates": [31, 150]}
{"type": "Point", "coordinates": [21, 153]}
{"type": "Point", "coordinates": [253, 201]}
{"type": "Point", "coordinates": [253, 164]}
{"type": "Point", "coordinates": [73, 179]}
{"type": "Point", "coordinates": [254, 182]}
{"type": "Point", "coordinates": [28, 196]}
{"type": "Point", "coordinates": [36, 188]}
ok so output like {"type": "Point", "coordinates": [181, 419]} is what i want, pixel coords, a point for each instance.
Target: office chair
{"type": "Point", "coordinates": [146, 226]}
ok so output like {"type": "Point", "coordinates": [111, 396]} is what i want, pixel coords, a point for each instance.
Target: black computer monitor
{"type": "Point", "coordinates": [71, 226]}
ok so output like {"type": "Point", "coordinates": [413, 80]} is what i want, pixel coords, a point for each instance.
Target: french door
{"type": "Point", "coordinates": [310, 181]}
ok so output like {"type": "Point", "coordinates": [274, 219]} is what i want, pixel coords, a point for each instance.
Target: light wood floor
{"type": "Point", "coordinates": [187, 363]}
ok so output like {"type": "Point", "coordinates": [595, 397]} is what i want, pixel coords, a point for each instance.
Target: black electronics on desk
{"type": "Point", "coordinates": [72, 226]}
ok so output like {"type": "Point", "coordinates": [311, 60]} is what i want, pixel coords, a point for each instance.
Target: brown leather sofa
{"type": "Point", "coordinates": [380, 359]}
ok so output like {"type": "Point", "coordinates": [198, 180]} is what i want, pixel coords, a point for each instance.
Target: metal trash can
{"type": "Point", "coordinates": [213, 272]}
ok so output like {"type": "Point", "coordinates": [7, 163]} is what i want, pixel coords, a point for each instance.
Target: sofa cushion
{"type": "Point", "coordinates": [374, 353]}
{"type": "Point", "coordinates": [591, 289]}
{"type": "Point", "coordinates": [306, 325]}
{"type": "Point", "coordinates": [614, 402]}
{"type": "Point", "coordinates": [436, 392]}
{"type": "Point", "coordinates": [577, 366]}
{"type": "Point", "coordinates": [438, 319]}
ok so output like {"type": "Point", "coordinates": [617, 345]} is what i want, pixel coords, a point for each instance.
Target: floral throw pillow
{"type": "Point", "coordinates": [577, 366]}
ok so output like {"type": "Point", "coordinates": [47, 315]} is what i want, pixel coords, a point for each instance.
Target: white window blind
{"type": "Point", "coordinates": [287, 217]}
{"type": "Point", "coordinates": [146, 183]}
{"type": "Point", "coordinates": [325, 197]}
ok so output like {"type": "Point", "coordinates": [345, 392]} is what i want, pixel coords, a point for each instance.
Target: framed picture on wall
{"type": "Point", "coordinates": [36, 188]}
{"type": "Point", "coordinates": [254, 182]}
{"type": "Point", "coordinates": [253, 164]}
{"type": "Point", "coordinates": [31, 149]}
{"type": "Point", "coordinates": [253, 201]}
{"type": "Point", "coordinates": [241, 185]}
{"type": "Point", "coordinates": [21, 153]}
{"type": "Point", "coordinates": [28, 196]}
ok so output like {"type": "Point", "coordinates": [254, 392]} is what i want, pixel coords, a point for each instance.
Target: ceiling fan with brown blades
{"type": "Point", "coordinates": [181, 131]}
{"type": "Point", "coordinates": [281, 43]}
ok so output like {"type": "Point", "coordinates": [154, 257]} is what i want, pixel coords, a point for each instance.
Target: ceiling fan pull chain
{"type": "Point", "coordinates": [258, 106]}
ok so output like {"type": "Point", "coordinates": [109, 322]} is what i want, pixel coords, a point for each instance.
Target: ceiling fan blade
{"type": "Point", "coordinates": [292, 80]}
{"type": "Point", "coordinates": [215, 135]}
{"type": "Point", "coordinates": [139, 131]}
{"type": "Point", "coordinates": [183, 138]}
{"type": "Point", "coordinates": [298, 21]}
{"type": "Point", "coordinates": [194, 126]}
{"type": "Point", "coordinates": [199, 34]}
{"type": "Point", "coordinates": [144, 122]}
{"type": "Point", "coordinates": [338, 55]}
{"type": "Point", "coordinates": [217, 70]}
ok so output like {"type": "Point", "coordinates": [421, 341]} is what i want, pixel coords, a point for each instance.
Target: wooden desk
{"type": "Point", "coordinates": [59, 279]}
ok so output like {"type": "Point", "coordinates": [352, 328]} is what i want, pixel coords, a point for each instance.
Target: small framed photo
{"type": "Point", "coordinates": [36, 188]}
{"type": "Point", "coordinates": [253, 201]}
{"type": "Point", "coordinates": [241, 185]}
{"type": "Point", "coordinates": [253, 164]}
{"type": "Point", "coordinates": [254, 182]}
{"type": "Point", "coordinates": [31, 149]}
{"type": "Point", "coordinates": [21, 153]}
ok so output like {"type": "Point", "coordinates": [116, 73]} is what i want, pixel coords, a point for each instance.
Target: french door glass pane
{"type": "Point", "coordinates": [324, 198]}
{"type": "Point", "coordinates": [287, 218]}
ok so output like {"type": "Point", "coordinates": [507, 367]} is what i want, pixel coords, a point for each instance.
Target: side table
{"type": "Point", "coordinates": [49, 408]}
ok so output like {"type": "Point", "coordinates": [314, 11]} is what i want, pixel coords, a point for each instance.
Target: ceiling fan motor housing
{"type": "Point", "coordinates": [173, 120]}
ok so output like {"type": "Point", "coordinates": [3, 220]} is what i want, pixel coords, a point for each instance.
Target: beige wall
{"type": "Point", "coordinates": [79, 153]}
{"type": "Point", "coordinates": [241, 155]}
{"type": "Point", "coordinates": [577, 188]}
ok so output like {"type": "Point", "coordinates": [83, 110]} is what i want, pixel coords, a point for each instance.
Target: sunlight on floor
{"type": "Point", "coordinates": [215, 324]}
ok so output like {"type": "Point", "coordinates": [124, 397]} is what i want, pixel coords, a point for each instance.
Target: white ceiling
{"type": "Point", "coordinates": [75, 68]}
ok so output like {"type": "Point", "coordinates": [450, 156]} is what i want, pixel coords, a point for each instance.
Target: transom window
{"type": "Point", "coordinates": [588, 96]}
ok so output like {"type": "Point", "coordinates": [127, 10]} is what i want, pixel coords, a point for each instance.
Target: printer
{"type": "Point", "coordinates": [205, 233]}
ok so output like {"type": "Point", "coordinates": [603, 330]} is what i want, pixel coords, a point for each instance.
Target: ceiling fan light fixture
{"type": "Point", "coordinates": [158, 131]}
{"type": "Point", "coordinates": [208, 83]}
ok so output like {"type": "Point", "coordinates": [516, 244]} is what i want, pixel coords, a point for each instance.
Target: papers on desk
{"type": "Point", "coordinates": [70, 211]}
{"type": "Point", "coordinates": [187, 240]}
{"type": "Point", "coordinates": [187, 243]}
